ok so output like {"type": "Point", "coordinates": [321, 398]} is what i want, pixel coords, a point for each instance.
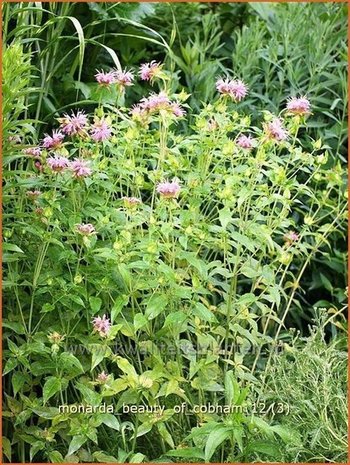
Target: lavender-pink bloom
{"type": "Point", "coordinates": [102, 325]}
{"type": "Point", "coordinates": [100, 131]}
{"type": "Point", "coordinates": [102, 377]}
{"type": "Point", "coordinates": [275, 130]}
{"type": "Point", "coordinates": [34, 152]}
{"type": "Point", "coordinates": [105, 78]}
{"type": "Point", "coordinates": [131, 201]}
{"type": "Point", "coordinates": [245, 142]}
{"type": "Point", "coordinates": [169, 189]}
{"type": "Point", "coordinates": [73, 124]}
{"type": "Point", "coordinates": [54, 141]}
{"type": "Point", "coordinates": [124, 78]}
{"type": "Point", "coordinates": [86, 229]}
{"type": "Point", "coordinates": [177, 110]}
{"type": "Point", "coordinates": [80, 168]}
{"type": "Point", "coordinates": [298, 106]}
{"type": "Point", "coordinates": [156, 102]}
{"type": "Point", "coordinates": [57, 163]}
{"type": "Point", "coordinates": [223, 86]}
{"type": "Point", "coordinates": [291, 237]}
{"type": "Point", "coordinates": [236, 89]}
{"type": "Point", "coordinates": [149, 70]}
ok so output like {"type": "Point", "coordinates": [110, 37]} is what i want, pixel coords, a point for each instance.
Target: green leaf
{"type": "Point", "coordinates": [188, 453]}
{"type": "Point", "coordinates": [69, 361]}
{"type": "Point", "coordinates": [139, 321]}
{"type": "Point", "coordinates": [34, 449]}
{"type": "Point", "coordinates": [76, 443]}
{"type": "Point", "coordinates": [10, 365]}
{"type": "Point", "coordinates": [99, 352]}
{"type": "Point", "coordinates": [156, 305]}
{"type": "Point", "coordinates": [51, 387]}
{"type": "Point", "coordinates": [55, 456]}
{"type": "Point", "coordinates": [243, 240]}
{"type": "Point", "coordinates": [95, 304]}
{"type": "Point", "coordinates": [102, 457]}
{"type": "Point", "coordinates": [215, 438]}
{"type": "Point", "coordinates": [137, 458]}
{"type": "Point", "coordinates": [18, 381]}
{"type": "Point", "coordinates": [288, 435]}
{"type": "Point", "coordinates": [203, 312]}
{"type": "Point", "coordinates": [120, 302]}
{"type": "Point", "coordinates": [225, 216]}
{"type": "Point", "coordinates": [264, 447]}
{"type": "Point", "coordinates": [6, 447]}
{"type": "Point", "coordinates": [90, 397]}
{"type": "Point", "coordinates": [110, 420]}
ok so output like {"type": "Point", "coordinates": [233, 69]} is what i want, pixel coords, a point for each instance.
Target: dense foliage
{"type": "Point", "coordinates": [166, 228]}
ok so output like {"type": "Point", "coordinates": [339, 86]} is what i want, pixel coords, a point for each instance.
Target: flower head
{"type": "Point", "coordinates": [238, 90]}
{"type": "Point", "coordinates": [131, 202]}
{"type": "Point", "coordinates": [245, 142]}
{"type": "Point", "coordinates": [235, 88]}
{"type": "Point", "coordinates": [54, 141]}
{"type": "Point", "coordinates": [80, 168]}
{"type": "Point", "coordinates": [102, 325]}
{"type": "Point", "coordinates": [124, 78]}
{"type": "Point", "coordinates": [73, 124]}
{"type": "Point", "coordinates": [105, 78]}
{"type": "Point", "coordinates": [100, 131]}
{"type": "Point", "coordinates": [177, 110]}
{"type": "Point", "coordinates": [149, 71]}
{"type": "Point", "coordinates": [86, 229]}
{"type": "Point", "coordinates": [102, 377]}
{"type": "Point", "coordinates": [298, 106]}
{"type": "Point", "coordinates": [275, 130]}
{"type": "Point", "coordinates": [34, 152]}
{"type": "Point", "coordinates": [169, 189]}
{"type": "Point", "coordinates": [33, 195]}
{"type": "Point", "coordinates": [155, 102]}
{"type": "Point", "coordinates": [57, 163]}
{"type": "Point", "coordinates": [291, 237]}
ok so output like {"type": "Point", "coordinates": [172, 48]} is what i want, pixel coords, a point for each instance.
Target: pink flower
{"type": "Point", "coordinates": [33, 195]}
{"type": "Point", "coordinates": [291, 237]}
{"type": "Point", "coordinates": [298, 106]}
{"type": "Point", "coordinates": [156, 102]}
{"type": "Point", "coordinates": [235, 89]}
{"type": "Point", "coordinates": [15, 139]}
{"type": "Point", "coordinates": [223, 86]}
{"type": "Point", "coordinates": [73, 124]}
{"type": "Point", "coordinates": [57, 163]}
{"type": "Point", "coordinates": [34, 152]}
{"type": "Point", "coordinates": [149, 71]}
{"type": "Point", "coordinates": [80, 168]}
{"type": "Point", "coordinates": [177, 110]}
{"type": "Point", "coordinates": [169, 189]}
{"type": "Point", "coordinates": [38, 166]}
{"type": "Point", "coordinates": [124, 78]}
{"type": "Point", "coordinates": [245, 142]}
{"type": "Point", "coordinates": [138, 112]}
{"type": "Point", "coordinates": [275, 130]}
{"type": "Point", "coordinates": [105, 78]}
{"type": "Point", "coordinates": [238, 90]}
{"type": "Point", "coordinates": [131, 202]}
{"type": "Point", "coordinates": [85, 229]}
{"type": "Point", "coordinates": [102, 325]}
{"type": "Point", "coordinates": [102, 377]}
{"type": "Point", "coordinates": [54, 141]}
{"type": "Point", "coordinates": [100, 131]}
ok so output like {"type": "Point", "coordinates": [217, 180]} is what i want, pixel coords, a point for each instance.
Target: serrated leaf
{"type": "Point", "coordinates": [51, 387]}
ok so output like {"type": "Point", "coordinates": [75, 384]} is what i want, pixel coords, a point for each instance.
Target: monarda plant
{"type": "Point", "coordinates": [153, 257]}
